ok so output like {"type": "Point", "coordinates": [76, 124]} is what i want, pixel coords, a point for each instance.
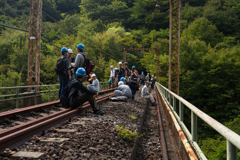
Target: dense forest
{"type": "Point", "coordinates": [210, 53]}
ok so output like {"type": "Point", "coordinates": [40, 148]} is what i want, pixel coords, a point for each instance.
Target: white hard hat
{"type": "Point", "coordinates": [120, 63]}
{"type": "Point", "coordinates": [120, 83]}
{"type": "Point", "coordinates": [116, 68]}
{"type": "Point", "coordinates": [93, 75]}
{"type": "Point", "coordinates": [111, 66]}
{"type": "Point", "coordinates": [70, 51]}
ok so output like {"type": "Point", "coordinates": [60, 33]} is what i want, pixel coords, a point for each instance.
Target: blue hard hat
{"type": "Point", "coordinates": [81, 72]}
{"type": "Point", "coordinates": [123, 79]}
{"type": "Point", "coordinates": [142, 71]}
{"type": "Point", "coordinates": [64, 49]}
{"type": "Point", "coordinates": [80, 46]}
{"type": "Point", "coordinates": [133, 67]}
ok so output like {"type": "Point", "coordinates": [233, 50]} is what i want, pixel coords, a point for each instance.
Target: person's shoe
{"type": "Point", "coordinates": [154, 104]}
{"type": "Point", "coordinates": [100, 112]}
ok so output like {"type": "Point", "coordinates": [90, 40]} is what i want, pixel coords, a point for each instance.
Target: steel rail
{"type": "Point", "coordinates": [162, 135]}
{"type": "Point", "coordinates": [182, 136]}
{"type": "Point", "coordinates": [28, 110]}
{"type": "Point", "coordinates": [19, 136]}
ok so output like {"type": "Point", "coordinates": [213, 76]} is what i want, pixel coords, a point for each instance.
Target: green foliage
{"type": "Point", "coordinates": [132, 116]}
{"type": "Point", "coordinates": [127, 135]}
{"type": "Point", "coordinates": [202, 29]}
{"type": "Point", "coordinates": [215, 148]}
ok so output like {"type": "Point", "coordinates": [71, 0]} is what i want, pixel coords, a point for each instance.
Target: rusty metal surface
{"type": "Point", "coordinates": [162, 136]}
{"type": "Point", "coordinates": [28, 110]}
{"type": "Point", "coordinates": [174, 46]}
{"type": "Point", "coordinates": [141, 49]}
{"type": "Point", "coordinates": [12, 139]}
{"type": "Point", "coordinates": [182, 143]}
{"type": "Point", "coordinates": [34, 45]}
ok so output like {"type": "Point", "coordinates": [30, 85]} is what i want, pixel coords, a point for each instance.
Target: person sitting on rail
{"type": "Point", "coordinates": [131, 86]}
{"type": "Point", "coordinates": [95, 84]}
{"type": "Point", "coordinates": [79, 60]}
{"type": "Point", "coordinates": [78, 94]}
{"type": "Point", "coordinates": [145, 94]}
{"type": "Point", "coordinates": [123, 90]}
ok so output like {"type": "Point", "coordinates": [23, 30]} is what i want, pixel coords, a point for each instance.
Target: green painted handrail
{"type": "Point", "coordinates": [233, 139]}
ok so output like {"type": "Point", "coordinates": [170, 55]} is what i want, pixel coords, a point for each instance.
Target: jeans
{"type": "Point", "coordinates": [133, 94]}
{"type": "Point", "coordinates": [142, 82]}
{"type": "Point", "coordinates": [63, 80]}
{"type": "Point", "coordinates": [75, 76]}
{"type": "Point", "coordinates": [84, 98]}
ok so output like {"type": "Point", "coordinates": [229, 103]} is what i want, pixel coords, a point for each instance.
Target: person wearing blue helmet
{"type": "Point", "coordinates": [134, 74]}
{"type": "Point", "coordinates": [142, 78]}
{"type": "Point", "coordinates": [78, 94]}
{"type": "Point", "coordinates": [62, 69]}
{"type": "Point", "coordinates": [131, 86]}
{"type": "Point", "coordinates": [80, 58]}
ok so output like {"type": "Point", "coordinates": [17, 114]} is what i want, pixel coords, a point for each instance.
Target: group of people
{"type": "Point", "coordinates": [73, 93]}
{"type": "Point", "coordinates": [73, 89]}
{"type": "Point", "coordinates": [127, 88]}
{"type": "Point", "coordinates": [131, 75]}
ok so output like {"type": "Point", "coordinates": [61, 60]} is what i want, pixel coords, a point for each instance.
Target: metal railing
{"type": "Point", "coordinates": [170, 99]}
{"type": "Point", "coordinates": [46, 92]}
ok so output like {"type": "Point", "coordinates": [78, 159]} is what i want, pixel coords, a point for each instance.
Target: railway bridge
{"type": "Point", "coordinates": [31, 116]}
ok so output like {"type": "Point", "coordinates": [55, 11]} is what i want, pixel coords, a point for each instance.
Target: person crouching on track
{"type": "Point", "coordinates": [123, 90]}
{"type": "Point", "coordinates": [131, 86]}
{"type": "Point", "coordinates": [95, 84]}
{"type": "Point", "coordinates": [79, 94]}
{"type": "Point", "coordinates": [145, 94]}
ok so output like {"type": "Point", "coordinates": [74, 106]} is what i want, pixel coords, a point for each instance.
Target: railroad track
{"type": "Point", "coordinates": [14, 136]}
{"type": "Point", "coordinates": [41, 107]}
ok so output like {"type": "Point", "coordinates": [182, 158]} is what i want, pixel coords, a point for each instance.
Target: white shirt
{"type": "Point", "coordinates": [96, 85]}
{"type": "Point", "coordinates": [112, 73]}
{"type": "Point", "coordinates": [144, 91]}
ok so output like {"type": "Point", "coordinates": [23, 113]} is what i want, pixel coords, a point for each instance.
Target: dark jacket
{"type": "Point", "coordinates": [66, 64]}
{"type": "Point", "coordinates": [121, 72]}
{"type": "Point", "coordinates": [131, 86]}
{"type": "Point", "coordinates": [75, 89]}
{"type": "Point", "coordinates": [79, 86]}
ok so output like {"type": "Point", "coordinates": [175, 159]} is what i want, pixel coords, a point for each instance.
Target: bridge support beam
{"type": "Point", "coordinates": [174, 46]}
{"type": "Point", "coordinates": [34, 48]}
{"type": "Point", "coordinates": [232, 151]}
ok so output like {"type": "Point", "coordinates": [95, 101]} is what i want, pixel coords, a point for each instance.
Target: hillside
{"type": "Point", "coordinates": [210, 52]}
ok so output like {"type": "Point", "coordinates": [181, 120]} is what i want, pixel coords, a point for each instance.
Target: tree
{"type": "Point", "coordinates": [202, 29]}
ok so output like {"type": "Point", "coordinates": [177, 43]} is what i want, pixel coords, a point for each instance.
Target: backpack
{"type": "Point", "coordinates": [64, 100]}
{"type": "Point", "coordinates": [88, 65]}
{"type": "Point", "coordinates": [60, 66]}
{"type": "Point", "coordinates": [68, 98]}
